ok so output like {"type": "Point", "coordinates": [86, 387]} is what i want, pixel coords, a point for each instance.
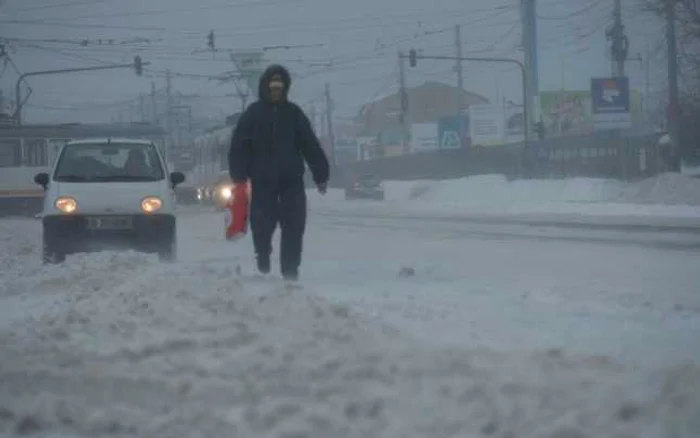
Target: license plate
{"type": "Point", "coordinates": [109, 223]}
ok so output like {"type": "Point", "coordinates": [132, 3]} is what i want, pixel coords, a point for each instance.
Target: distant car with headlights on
{"type": "Point", "coordinates": [365, 187]}
{"type": "Point", "coordinates": [105, 194]}
{"type": "Point", "coordinates": [222, 191]}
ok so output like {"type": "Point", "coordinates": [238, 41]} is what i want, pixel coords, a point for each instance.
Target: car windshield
{"type": "Point", "coordinates": [102, 162]}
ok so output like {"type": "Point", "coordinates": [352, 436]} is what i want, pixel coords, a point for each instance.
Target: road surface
{"type": "Point", "coordinates": [492, 329]}
{"type": "Point", "coordinates": [631, 295]}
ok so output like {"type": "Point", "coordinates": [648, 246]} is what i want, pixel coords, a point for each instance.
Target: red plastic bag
{"type": "Point", "coordinates": [237, 212]}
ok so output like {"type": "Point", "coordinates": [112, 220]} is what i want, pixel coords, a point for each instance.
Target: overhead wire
{"type": "Point", "coordinates": [225, 6]}
{"type": "Point", "coordinates": [577, 13]}
{"type": "Point", "coordinates": [58, 5]}
{"type": "Point", "coordinates": [335, 63]}
{"type": "Point", "coordinates": [351, 58]}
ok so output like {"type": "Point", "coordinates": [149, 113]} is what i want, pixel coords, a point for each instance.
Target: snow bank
{"type": "Point", "coordinates": [667, 189]}
{"type": "Point", "coordinates": [668, 197]}
{"type": "Point", "coordinates": [496, 190]}
{"type": "Point", "coordinates": [120, 345]}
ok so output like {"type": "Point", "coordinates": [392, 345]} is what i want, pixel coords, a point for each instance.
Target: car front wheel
{"type": "Point", "coordinates": [51, 255]}
{"type": "Point", "coordinates": [168, 251]}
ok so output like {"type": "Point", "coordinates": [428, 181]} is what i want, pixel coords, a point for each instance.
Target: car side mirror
{"type": "Point", "coordinates": [42, 179]}
{"type": "Point", "coordinates": [177, 178]}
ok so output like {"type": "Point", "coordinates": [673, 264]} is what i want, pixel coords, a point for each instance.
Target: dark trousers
{"type": "Point", "coordinates": [284, 203]}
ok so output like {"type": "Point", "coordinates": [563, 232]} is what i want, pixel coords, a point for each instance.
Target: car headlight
{"type": "Point", "coordinates": [151, 204]}
{"type": "Point", "coordinates": [66, 204]}
{"type": "Point", "coordinates": [226, 192]}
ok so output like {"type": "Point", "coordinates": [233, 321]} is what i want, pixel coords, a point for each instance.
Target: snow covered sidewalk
{"type": "Point", "coordinates": [121, 345]}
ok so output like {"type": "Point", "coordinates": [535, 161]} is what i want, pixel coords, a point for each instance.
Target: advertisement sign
{"type": "Point", "coordinates": [487, 124]}
{"type": "Point", "coordinates": [611, 103]}
{"type": "Point", "coordinates": [566, 112]}
{"type": "Point", "coordinates": [424, 137]}
{"type": "Point", "coordinates": [366, 147]}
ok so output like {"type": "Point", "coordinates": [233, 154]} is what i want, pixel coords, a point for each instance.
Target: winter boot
{"type": "Point", "coordinates": [291, 275]}
{"type": "Point", "coordinates": [263, 264]}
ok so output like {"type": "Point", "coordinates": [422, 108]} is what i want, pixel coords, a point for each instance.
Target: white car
{"type": "Point", "coordinates": [105, 194]}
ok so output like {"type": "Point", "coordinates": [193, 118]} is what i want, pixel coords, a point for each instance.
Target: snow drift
{"type": "Point", "coordinates": [668, 189]}
{"type": "Point", "coordinates": [120, 345]}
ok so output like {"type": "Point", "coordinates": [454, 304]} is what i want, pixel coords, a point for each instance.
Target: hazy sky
{"type": "Point", "coordinates": [354, 47]}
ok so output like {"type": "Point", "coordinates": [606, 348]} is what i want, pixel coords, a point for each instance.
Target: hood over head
{"type": "Point", "coordinates": [272, 70]}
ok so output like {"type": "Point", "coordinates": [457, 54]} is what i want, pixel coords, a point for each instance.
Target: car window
{"type": "Point", "coordinates": [109, 162]}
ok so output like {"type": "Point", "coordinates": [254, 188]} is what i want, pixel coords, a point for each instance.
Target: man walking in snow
{"type": "Point", "coordinates": [270, 143]}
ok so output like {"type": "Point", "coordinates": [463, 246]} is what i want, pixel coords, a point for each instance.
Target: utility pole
{"type": "Point", "coordinates": [529, 42]}
{"type": "Point", "coordinates": [673, 115]}
{"type": "Point", "coordinates": [142, 107]}
{"type": "Point", "coordinates": [168, 114]}
{"type": "Point", "coordinates": [458, 67]}
{"type": "Point", "coordinates": [619, 43]}
{"type": "Point", "coordinates": [329, 121]}
{"type": "Point", "coordinates": [403, 97]}
{"type": "Point", "coordinates": [647, 84]}
{"type": "Point", "coordinates": [154, 105]}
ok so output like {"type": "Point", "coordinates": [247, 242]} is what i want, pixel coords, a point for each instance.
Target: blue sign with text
{"type": "Point", "coordinates": [610, 95]}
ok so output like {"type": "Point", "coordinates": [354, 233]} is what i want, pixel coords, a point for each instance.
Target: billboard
{"type": "Point", "coordinates": [566, 112]}
{"type": "Point", "coordinates": [366, 146]}
{"type": "Point", "coordinates": [610, 103]}
{"type": "Point", "coordinates": [487, 124]}
{"type": "Point", "coordinates": [424, 137]}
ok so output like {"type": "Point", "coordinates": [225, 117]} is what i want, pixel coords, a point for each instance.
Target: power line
{"type": "Point", "coordinates": [593, 5]}
{"type": "Point", "coordinates": [60, 5]}
{"type": "Point", "coordinates": [302, 25]}
{"type": "Point", "coordinates": [227, 5]}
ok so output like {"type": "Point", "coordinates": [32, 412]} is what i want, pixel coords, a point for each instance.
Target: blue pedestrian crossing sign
{"type": "Point", "coordinates": [451, 131]}
{"type": "Point", "coordinates": [450, 140]}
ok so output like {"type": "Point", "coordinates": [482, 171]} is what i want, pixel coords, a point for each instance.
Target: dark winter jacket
{"type": "Point", "coordinates": [272, 140]}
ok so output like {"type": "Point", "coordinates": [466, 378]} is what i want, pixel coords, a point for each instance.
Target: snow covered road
{"type": "Point", "coordinates": [504, 331]}
{"type": "Point", "coordinates": [631, 295]}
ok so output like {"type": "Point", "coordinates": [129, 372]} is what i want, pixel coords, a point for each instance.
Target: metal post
{"type": "Point", "coordinates": [168, 115]}
{"type": "Point", "coordinates": [619, 43]}
{"type": "Point", "coordinates": [403, 98]}
{"type": "Point", "coordinates": [619, 59]}
{"type": "Point", "coordinates": [329, 120]}
{"type": "Point", "coordinates": [674, 124]}
{"type": "Point", "coordinates": [154, 105]}
{"type": "Point", "coordinates": [526, 110]}
{"type": "Point", "coordinates": [529, 20]}
{"type": "Point", "coordinates": [647, 85]}
{"type": "Point", "coordinates": [458, 67]}
{"type": "Point", "coordinates": [142, 108]}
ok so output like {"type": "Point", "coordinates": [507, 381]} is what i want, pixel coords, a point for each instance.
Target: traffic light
{"type": "Point", "coordinates": [210, 40]}
{"type": "Point", "coordinates": [412, 58]}
{"type": "Point", "coordinates": [138, 65]}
